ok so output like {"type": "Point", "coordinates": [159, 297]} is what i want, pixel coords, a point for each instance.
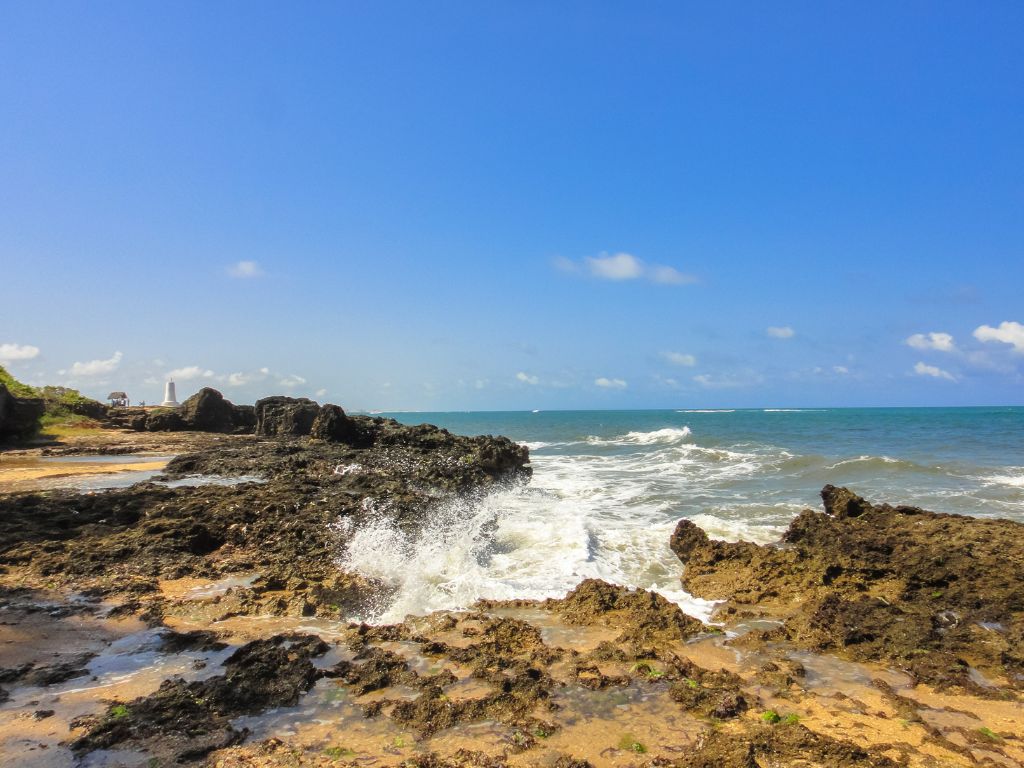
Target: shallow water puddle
{"type": "Point", "coordinates": [84, 473]}
{"type": "Point", "coordinates": [192, 589]}
{"type": "Point", "coordinates": [242, 629]}
{"type": "Point", "coordinates": [195, 481]}
{"type": "Point", "coordinates": [128, 664]}
{"type": "Point", "coordinates": [331, 720]}
{"type": "Point", "coordinates": [616, 726]}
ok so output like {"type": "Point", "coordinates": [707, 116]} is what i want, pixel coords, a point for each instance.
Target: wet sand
{"type": "Point", "coordinates": [32, 473]}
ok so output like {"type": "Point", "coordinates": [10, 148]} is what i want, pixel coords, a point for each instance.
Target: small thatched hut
{"type": "Point", "coordinates": [118, 400]}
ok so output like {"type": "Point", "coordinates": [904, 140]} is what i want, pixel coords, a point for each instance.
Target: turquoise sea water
{"type": "Point", "coordinates": [609, 486]}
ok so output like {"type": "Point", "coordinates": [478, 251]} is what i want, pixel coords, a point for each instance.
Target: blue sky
{"type": "Point", "coordinates": [516, 205]}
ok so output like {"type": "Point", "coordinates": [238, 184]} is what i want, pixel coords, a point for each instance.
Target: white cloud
{"type": "Point", "coordinates": [9, 352]}
{"type": "Point", "coordinates": [680, 358]}
{"type": "Point", "coordinates": [97, 367]}
{"type": "Point", "coordinates": [321, 392]}
{"type": "Point", "coordinates": [617, 266]}
{"type": "Point", "coordinates": [292, 380]}
{"type": "Point", "coordinates": [934, 371]}
{"type": "Point", "coordinates": [527, 378]}
{"type": "Point", "coordinates": [610, 383]}
{"type": "Point", "coordinates": [780, 332]}
{"type": "Point", "coordinates": [842, 370]}
{"type": "Point", "coordinates": [245, 269]}
{"type": "Point", "coordinates": [624, 266]}
{"type": "Point", "coordinates": [1008, 332]}
{"type": "Point", "coordinates": [188, 373]}
{"type": "Point", "coordinates": [669, 275]}
{"type": "Point", "coordinates": [237, 379]}
{"type": "Point", "coordinates": [941, 342]}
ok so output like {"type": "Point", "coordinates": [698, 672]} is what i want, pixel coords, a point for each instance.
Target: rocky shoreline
{"type": "Point", "coordinates": [870, 635]}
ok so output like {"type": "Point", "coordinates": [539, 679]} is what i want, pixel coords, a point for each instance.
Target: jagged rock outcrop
{"type": "Point", "coordinates": [300, 501]}
{"type": "Point", "coordinates": [19, 416]}
{"type": "Point", "coordinates": [333, 425]}
{"type": "Point", "coordinates": [164, 421]}
{"type": "Point", "coordinates": [897, 583]}
{"type": "Point", "coordinates": [647, 618]}
{"type": "Point", "coordinates": [208, 411]}
{"type": "Point", "coordinates": [285, 416]}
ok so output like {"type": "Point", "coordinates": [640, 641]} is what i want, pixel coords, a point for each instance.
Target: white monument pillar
{"type": "Point", "coordinates": [169, 400]}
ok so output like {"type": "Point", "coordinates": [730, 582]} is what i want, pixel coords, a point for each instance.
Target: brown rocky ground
{"type": "Point", "coordinates": [870, 636]}
{"type": "Point", "coordinates": [939, 596]}
{"type": "Point", "coordinates": [287, 521]}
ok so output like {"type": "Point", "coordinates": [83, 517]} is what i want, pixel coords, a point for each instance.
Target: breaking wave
{"type": "Point", "coordinates": [604, 500]}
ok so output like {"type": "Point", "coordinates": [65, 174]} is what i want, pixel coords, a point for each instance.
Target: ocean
{"type": "Point", "coordinates": [609, 486]}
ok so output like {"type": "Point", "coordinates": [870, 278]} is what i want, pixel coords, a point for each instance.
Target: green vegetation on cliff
{"type": "Point", "coordinates": [62, 405]}
{"type": "Point", "coordinates": [15, 387]}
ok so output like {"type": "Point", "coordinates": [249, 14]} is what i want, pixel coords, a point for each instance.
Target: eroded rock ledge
{"type": "Point", "coordinates": [287, 515]}
{"type": "Point", "coordinates": [939, 595]}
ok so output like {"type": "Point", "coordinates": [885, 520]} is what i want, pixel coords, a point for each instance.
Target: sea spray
{"type": "Point", "coordinates": [609, 487]}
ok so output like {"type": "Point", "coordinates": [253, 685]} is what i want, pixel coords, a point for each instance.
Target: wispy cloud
{"type": "Point", "coordinates": [619, 267]}
{"type": "Point", "coordinates": [680, 358]}
{"type": "Point", "coordinates": [245, 269]}
{"type": "Point", "coordinates": [527, 378]}
{"type": "Point", "coordinates": [780, 332]}
{"type": "Point", "coordinates": [728, 381]}
{"type": "Point", "coordinates": [189, 372]}
{"type": "Point", "coordinates": [922, 369]}
{"type": "Point", "coordinates": [1008, 332]}
{"type": "Point", "coordinates": [97, 367]}
{"type": "Point", "coordinates": [606, 383]}
{"type": "Point", "coordinates": [11, 352]}
{"type": "Point", "coordinates": [941, 342]}
{"type": "Point", "coordinates": [291, 380]}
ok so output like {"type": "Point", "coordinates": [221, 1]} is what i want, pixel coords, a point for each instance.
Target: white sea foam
{"type": "Point", "coordinates": [537, 445]}
{"type": "Point", "coordinates": [605, 507]}
{"type": "Point", "coordinates": [709, 410]}
{"type": "Point", "coordinates": [666, 435]}
{"type": "Point", "coordinates": [1016, 481]}
{"type": "Point", "coordinates": [743, 530]}
{"type": "Point", "coordinates": [583, 516]}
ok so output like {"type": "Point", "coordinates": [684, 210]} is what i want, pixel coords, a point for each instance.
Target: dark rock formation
{"type": "Point", "coordinates": [19, 416]}
{"type": "Point", "coordinates": [333, 425]}
{"type": "Point", "coordinates": [245, 419]}
{"type": "Point", "coordinates": [286, 528]}
{"type": "Point", "coordinates": [285, 416]}
{"type": "Point", "coordinates": [647, 618]}
{"type": "Point", "coordinates": [881, 583]}
{"type": "Point", "coordinates": [183, 721]}
{"type": "Point", "coordinates": [208, 411]}
{"type": "Point", "coordinates": [164, 420]}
